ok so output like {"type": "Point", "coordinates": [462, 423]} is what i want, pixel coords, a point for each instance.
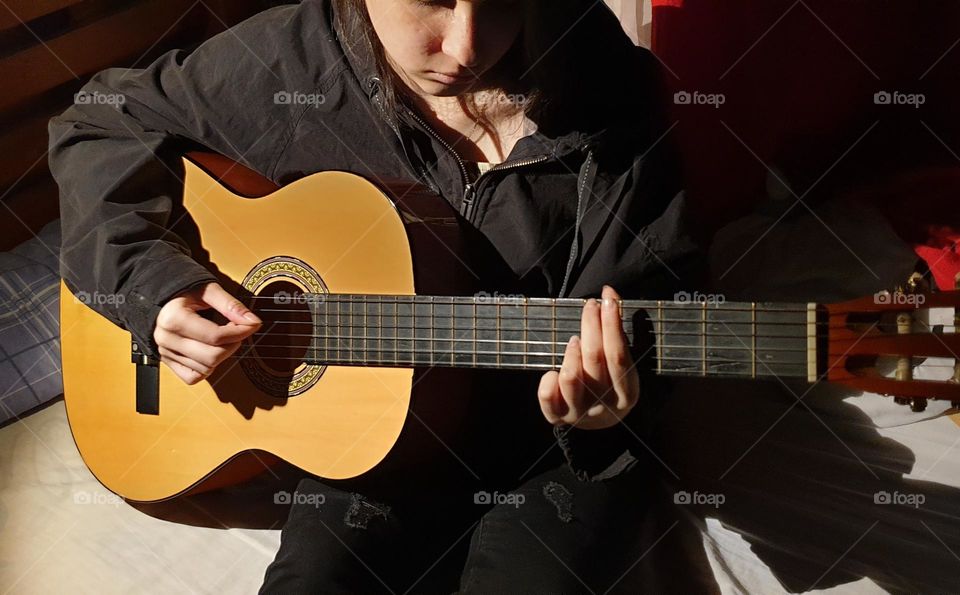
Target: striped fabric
{"type": "Point", "coordinates": [29, 324]}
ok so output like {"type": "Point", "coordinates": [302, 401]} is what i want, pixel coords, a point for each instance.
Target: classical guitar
{"type": "Point", "coordinates": [361, 287]}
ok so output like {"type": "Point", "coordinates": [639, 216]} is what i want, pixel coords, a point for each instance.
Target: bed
{"type": "Point", "coordinates": [829, 493]}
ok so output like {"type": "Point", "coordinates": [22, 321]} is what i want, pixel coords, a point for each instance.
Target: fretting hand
{"type": "Point", "coordinates": [597, 384]}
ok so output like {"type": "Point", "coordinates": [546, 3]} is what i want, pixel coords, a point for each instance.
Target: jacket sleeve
{"type": "Point", "coordinates": [116, 157]}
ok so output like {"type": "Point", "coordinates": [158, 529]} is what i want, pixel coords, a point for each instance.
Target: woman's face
{"type": "Point", "coordinates": [444, 47]}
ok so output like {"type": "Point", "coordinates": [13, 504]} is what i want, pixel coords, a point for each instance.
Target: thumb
{"type": "Point", "coordinates": [227, 305]}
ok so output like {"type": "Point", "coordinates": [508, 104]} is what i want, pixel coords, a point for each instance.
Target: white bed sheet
{"type": "Point", "coordinates": [63, 532]}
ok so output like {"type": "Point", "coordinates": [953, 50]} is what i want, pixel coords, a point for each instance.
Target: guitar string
{"type": "Point", "coordinates": [664, 332]}
{"type": "Point", "coordinates": [441, 350]}
{"type": "Point", "coordinates": [443, 318]}
{"type": "Point", "coordinates": [419, 358]}
{"type": "Point", "coordinates": [952, 296]}
{"type": "Point", "coordinates": [566, 303]}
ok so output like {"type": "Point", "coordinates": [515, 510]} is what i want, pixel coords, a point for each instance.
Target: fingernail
{"type": "Point", "coordinates": [251, 317]}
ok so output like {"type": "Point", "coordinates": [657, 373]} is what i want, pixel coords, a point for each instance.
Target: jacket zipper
{"type": "Point", "coordinates": [470, 188]}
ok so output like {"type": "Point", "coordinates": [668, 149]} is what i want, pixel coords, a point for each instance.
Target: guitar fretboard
{"type": "Point", "coordinates": [682, 338]}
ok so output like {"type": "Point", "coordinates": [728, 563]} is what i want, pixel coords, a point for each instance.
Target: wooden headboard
{"type": "Point", "coordinates": [48, 50]}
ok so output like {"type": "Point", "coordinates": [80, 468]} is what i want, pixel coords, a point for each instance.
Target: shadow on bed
{"type": "Point", "coordinates": [818, 493]}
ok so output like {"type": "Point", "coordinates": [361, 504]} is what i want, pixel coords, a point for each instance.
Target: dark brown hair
{"type": "Point", "coordinates": [559, 64]}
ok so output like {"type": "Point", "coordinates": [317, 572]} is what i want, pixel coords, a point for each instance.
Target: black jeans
{"type": "Point", "coordinates": [553, 533]}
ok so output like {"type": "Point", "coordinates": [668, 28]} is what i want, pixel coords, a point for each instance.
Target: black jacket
{"type": "Point", "coordinates": [601, 204]}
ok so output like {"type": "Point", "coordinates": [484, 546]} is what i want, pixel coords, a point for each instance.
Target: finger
{"type": "Point", "coordinates": [623, 374]}
{"type": "Point", "coordinates": [208, 355]}
{"type": "Point", "coordinates": [184, 373]}
{"type": "Point", "coordinates": [570, 381]}
{"type": "Point", "coordinates": [187, 323]}
{"type": "Point", "coordinates": [185, 361]}
{"type": "Point", "coordinates": [188, 376]}
{"type": "Point", "coordinates": [594, 363]}
{"type": "Point", "coordinates": [224, 303]}
{"type": "Point", "coordinates": [551, 401]}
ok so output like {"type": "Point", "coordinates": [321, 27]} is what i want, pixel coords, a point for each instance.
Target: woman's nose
{"type": "Point", "coordinates": [460, 38]}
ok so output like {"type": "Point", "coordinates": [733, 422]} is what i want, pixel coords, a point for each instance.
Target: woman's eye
{"type": "Point", "coordinates": [435, 2]}
{"type": "Point", "coordinates": [452, 3]}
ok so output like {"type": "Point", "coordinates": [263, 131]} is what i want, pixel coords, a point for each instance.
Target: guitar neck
{"type": "Point", "coordinates": [731, 339]}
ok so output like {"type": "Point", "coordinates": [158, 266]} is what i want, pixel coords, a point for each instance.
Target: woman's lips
{"type": "Point", "coordinates": [450, 79]}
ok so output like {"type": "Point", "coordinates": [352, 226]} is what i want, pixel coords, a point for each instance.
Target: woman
{"type": "Point", "coordinates": [435, 91]}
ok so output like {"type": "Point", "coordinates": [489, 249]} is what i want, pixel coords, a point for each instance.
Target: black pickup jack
{"type": "Point", "coordinates": [148, 381]}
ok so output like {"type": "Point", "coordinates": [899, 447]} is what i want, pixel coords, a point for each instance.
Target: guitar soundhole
{"type": "Point", "coordinates": [276, 362]}
{"type": "Point", "coordinates": [284, 339]}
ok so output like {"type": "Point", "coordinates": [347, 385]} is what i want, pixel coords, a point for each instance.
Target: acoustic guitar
{"type": "Point", "coordinates": [361, 289]}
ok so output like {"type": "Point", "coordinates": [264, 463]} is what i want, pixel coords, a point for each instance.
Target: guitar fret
{"type": "Point", "coordinates": [658, 337]}
{"type": "Point", "coordinates": [404, 329]}
{"type": "Point", "coordinates": [513, 325]}
{"type": "Point", "coordinates": [487, 331]}
{"type": "Point", "coordinates": [553, 344]}
{"type": "Point", "coordinates": [497, 307]}
{"type": "Point", "coordinates": [753, 339]}
{"type": "Point", "coordinates": [396, 322]}
{"type": "Point", "coordinates": [443, 330]}
{"type": "Point", "coordinates": [703, 337]}
{"type": "Point", "coordinates": [526, 326]}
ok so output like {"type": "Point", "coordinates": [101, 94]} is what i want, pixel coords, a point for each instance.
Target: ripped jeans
{"type": "Point", "coordinates": [555, 532]}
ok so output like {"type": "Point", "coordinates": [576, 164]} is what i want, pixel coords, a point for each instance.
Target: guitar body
{"type": "Point", "coordinates": [332, 232]}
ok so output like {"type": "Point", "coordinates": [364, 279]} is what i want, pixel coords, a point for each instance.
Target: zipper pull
{"type": "Point", "coordinates": [466, 206]}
